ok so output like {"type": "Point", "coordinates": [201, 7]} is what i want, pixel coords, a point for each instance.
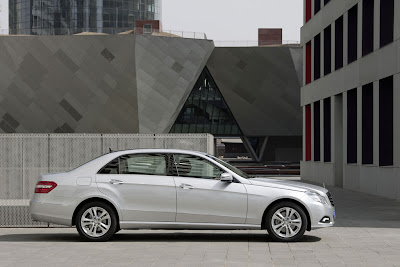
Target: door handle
{"type": "Point", "coordinates": [186, 186]}
{"type": "Point", "coordinates": [113, 181]}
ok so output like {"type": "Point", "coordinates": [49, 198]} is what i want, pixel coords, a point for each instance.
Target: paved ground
{"type": "Point", "coordinates": [367, 233]}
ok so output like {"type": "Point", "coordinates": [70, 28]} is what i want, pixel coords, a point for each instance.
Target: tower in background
{"type": "Point", "coordinates": [39, 17]}
{"type": "Point", "coordinates": [3, 17]}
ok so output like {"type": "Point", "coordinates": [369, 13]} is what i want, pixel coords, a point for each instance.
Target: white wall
{"type": "Point", "coordinates": [3, 17]}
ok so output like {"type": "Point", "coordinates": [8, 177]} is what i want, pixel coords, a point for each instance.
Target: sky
{"type": "Point", "coordinates": [233, 20]}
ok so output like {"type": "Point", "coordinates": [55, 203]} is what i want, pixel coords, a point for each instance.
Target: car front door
{"type": "Point", "coordinates": [202, 197]}
{"type": "Point", "coordinates": [141, 186]}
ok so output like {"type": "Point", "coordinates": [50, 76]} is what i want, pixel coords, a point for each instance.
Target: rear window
{"type": "Point", "coordinates": [145, 164]}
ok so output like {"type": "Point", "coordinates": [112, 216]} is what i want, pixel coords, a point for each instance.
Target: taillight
{"type": "Point", "coordinates": [44, 187]}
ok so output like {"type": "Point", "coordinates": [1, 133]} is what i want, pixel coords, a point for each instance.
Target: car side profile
{"type": "Point", "coordinates": [176, 189]}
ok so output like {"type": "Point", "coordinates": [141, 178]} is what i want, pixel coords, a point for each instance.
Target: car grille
{"type": "Point", "coordinates": [330, 198]}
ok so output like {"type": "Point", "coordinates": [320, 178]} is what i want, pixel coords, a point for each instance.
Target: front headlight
{"type": "Point", "coordinates": [317, 197]}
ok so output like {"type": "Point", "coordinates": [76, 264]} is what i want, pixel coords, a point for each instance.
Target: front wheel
{"type": "Point", "coordinates": [96, 221]}
{"type": "Point", "coordinates": [286, 221]}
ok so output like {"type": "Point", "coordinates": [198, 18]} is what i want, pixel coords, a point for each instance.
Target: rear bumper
{"type": "Point", "coordinates": [51, 213]}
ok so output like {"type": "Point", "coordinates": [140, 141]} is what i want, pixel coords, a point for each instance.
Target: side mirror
{"type": "Point", "coordinates": [226, 177]}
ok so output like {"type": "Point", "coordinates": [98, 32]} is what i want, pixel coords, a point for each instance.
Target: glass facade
{"type": "Point", "coordinates": [58, 17]}
{"type": "Point", "coordinates": [206, 111]}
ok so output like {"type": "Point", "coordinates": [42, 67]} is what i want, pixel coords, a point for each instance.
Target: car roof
{"type": "Point", "coordinates": [157, 150]}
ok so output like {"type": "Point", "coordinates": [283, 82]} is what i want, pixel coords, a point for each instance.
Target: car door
{"type": "Point", "coordinates": [202, 197]}
{"type": "Point", "coordinates": [141, 186]}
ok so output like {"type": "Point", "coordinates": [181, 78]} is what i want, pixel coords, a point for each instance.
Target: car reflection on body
{"type": "Point", "coordinates": [176, 189]}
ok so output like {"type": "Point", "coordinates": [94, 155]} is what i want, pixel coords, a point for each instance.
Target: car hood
{"type": "Point", "coordinates": [285, 184]}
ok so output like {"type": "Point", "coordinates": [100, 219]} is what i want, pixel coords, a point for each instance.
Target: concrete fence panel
{"type": "Point", "coordinates": [24, 157]}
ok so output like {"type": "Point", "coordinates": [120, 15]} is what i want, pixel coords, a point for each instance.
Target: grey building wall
{"type": "Point", "coordinates": [96, 84]}
{"type": "Point", "coordinates": [371, 68]}
{"type": "Point", "coordinates": [167, 69]}
{"type": "Point", "coordinates": [261, 86]}
{"type": "Point", "coordinates": [139, 84]}
{"type": "Point", "coordinates": [68, 84]}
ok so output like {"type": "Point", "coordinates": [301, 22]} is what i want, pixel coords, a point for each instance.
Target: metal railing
{"type": "Point", "coordinates": [105, 31]}
{"type": "Point", "coordinates": [256, 43]}
{"type": "Point", "coordinates": [24, 157]}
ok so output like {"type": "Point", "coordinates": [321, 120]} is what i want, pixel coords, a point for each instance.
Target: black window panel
{"type": "Point", "coordinates": [386, 22]}
{"type": "Point", "coordinates": [386, 122]}
{"type": "Point", "coordinates": [368, 27]}
{"type": "Point", "coordinates": [368, 124]}
{"type": "Point", "coordinates": [326, 2]}
{"type": "Point", "coordinates": [352, 126]}
{"type": "Point", "coordinates": [352, 34]}
{"type": "Point", "coordinates": [327, 50]}
{"type": "Point", "coordinates": [317, 57]}
{"type": "Point", "coordinates": [205, 111]}
{"type": "Point", "coordinates": [327, 130]}
{"type": "Point", "coordinates": [111, 168]}
{"type": "Point", "coordinates": [339, 43]}
{"type": "Point", "coordinates": [317, 132]}
{"type": "Point", "coordinates": [317, 6]}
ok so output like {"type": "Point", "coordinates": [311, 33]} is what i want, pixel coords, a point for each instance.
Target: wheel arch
{"type": "Point", "coordinates": [287, 200]}
{"type": "Point", "coordinates": [96, 199]}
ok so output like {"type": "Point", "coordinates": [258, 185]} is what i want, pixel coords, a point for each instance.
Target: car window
{"type": "Point", "coordinates": [147, 164]}
{"type": "Point", "coordinates": [150, 164]}
{"type": "Point", "coordinates": [111, 168]}
{"type": "Point", "coordinates": [230, 167]}
{"type": "Point", "coordinates": [196, 167]}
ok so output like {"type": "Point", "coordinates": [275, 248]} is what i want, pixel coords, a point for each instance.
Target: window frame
{"type": "Point", "coordinates": [199, 157]}
{"type": "Point", "coordinates": [167, 158]}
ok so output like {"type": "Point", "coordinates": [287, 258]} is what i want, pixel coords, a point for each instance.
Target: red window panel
{"type": "Point", "coordinates": [308, 10]}
{"type": "Point", "coordinates": [308, 62]}
{"type": "Point", "coordinates": [308, 133]}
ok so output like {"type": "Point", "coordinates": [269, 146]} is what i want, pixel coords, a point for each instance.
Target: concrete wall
{"type": "Point", "coordinates": [96, 84]}
{"type": "Point", "coordinates": [381, 63]}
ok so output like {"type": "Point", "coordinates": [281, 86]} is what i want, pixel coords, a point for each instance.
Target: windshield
{"type": "Point", "coordinates": [232, 168]}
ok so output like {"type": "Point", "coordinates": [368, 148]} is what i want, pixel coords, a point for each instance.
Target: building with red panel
{"type": "Point", "coordinates": [350, 95]}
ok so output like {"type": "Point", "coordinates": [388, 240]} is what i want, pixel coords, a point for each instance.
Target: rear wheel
{"type": "Point", "coordinates": [96, 221]}
{"type": "Point", "coordinates": [286, 221]}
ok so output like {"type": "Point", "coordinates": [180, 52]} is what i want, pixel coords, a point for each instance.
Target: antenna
{"type": "Point", "coordinates": [324, 185]}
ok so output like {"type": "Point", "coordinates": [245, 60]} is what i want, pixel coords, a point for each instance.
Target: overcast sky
{"type": "Point", "coordinates": [229, 20]}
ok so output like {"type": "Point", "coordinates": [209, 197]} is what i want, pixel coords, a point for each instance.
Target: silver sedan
{"type": "Point", "coordinates": [176, 189]}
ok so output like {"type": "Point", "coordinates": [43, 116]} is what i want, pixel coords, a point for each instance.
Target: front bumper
{"type": "Point", "coordinates": [319, 211]}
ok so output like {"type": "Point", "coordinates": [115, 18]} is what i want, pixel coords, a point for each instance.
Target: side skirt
{"type": "Point", "coordinates": [186, 226]}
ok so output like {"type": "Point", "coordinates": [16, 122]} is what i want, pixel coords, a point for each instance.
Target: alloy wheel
{"type": "Point", "coordinates": [286, 222]}
{"type": "Point", "coordinates": [95, 222]}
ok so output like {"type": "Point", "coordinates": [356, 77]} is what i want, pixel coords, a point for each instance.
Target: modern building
{"type": "Point", "coordinates": [3, 17]}
{"type": "Point", "coordinates": [130, 83]}
{"type": "Point", "coordinates": [42, 17]}
{"type": "Point", "coordinates": [351, 95]}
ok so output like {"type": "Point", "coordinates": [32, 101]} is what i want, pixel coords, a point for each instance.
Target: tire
{"type": "Point", "coordinates": [97, 228]}
{"type": "Point", "coordinates": [284, 228]}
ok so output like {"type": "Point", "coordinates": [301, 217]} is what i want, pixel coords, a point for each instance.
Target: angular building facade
{"type": "Point", "coordinates": [351, 95]}
{"type": "Point", "coordinates": [62, 17]}
{"type": "Point", "coordinates": [153, 85]}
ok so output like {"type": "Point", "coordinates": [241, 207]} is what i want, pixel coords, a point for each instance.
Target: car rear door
{"type": "Point", "coordinates": [141, 186]}
{"type": "Point", "coordinates": [202, 197]}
